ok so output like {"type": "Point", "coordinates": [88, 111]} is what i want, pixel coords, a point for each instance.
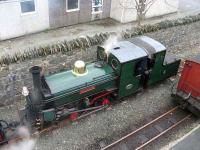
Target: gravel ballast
{"type": "Point", "coordinates": [117, 120]}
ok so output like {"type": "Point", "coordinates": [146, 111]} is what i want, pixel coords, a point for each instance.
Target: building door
{"type": "Point", "coordinates": [97, 9]}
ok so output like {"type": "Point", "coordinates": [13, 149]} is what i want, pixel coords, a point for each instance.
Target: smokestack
{"type": "Point", "coordinates": [35, 71]}
{"type": "Point", "coordinates": [36, 94]}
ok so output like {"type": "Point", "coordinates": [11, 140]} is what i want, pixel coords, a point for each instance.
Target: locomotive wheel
{"type": "Point", "coordinates": [105, 102]}
{"type": "Point", "coordinates": [74, 116]}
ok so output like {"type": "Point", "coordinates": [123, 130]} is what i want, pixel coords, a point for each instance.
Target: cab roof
{"type": "Point", "coordinates": [150, 45]}
{"type": "Point", "coordinates": [136, 48]}
{"type": "Point", "coordinates": [126, 51]}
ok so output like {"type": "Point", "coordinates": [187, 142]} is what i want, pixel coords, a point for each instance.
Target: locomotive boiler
{"type": "Point", "coordinates": [118, 72]}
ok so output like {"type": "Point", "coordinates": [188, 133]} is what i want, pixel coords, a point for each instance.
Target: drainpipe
{"type": "Point", "coordinates": [123, 9]}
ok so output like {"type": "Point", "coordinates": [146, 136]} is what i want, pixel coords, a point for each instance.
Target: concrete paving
{"type": "Point", "coordinates": [189, 142]}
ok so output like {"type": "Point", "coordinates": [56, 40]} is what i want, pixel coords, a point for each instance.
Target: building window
{"type": "Point", "coordinates": [72, 5]}
{"type": "Point", "coordinates": [97, 6]}
{"type": "Point", "coordinates": [27, 6]}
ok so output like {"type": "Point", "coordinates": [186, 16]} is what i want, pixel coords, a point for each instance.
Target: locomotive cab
{"type": "Point", "coordinates": [160, 64]}
{"type": "Point", "coordinates": [130, 63]}
{"type": "Point", "coordinates": [139, 62]}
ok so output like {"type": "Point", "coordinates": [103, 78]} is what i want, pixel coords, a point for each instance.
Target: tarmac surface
{"type": "Point", "coordinates": [189, 142]}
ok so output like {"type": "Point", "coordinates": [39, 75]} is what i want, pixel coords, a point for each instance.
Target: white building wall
{"type": "Point", "coordinates": [162, 7]}
{"type": "Point", "coordinates": [13, 23]}
{"type": "Point", "coordinates": [124, 10]}
{"type": "Point", "coordinates": [121, 13]}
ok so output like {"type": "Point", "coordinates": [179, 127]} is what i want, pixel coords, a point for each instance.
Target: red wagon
{"type": "Point", "coordinates": [188, 89]}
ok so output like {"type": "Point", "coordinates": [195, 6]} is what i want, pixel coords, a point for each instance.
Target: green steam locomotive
{"type": "Point", "coordinates": [119, 71]}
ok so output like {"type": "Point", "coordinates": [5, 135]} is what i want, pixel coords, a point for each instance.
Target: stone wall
{"type": "Point", "coordinates": [89, 41]}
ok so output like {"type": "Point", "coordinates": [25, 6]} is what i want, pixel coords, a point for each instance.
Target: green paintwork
{"type": "Point", "coordinates": [156, 71]}
{"type": "Point", "coordinates": [128, 82]}
{"type": "Point", "coordinates": [61, 100]}
{"type": "Point", "coordinates": [101, 52]}
{"type": "Point", "coordinates": [117, 74]}
{"type": "Point", "coordinates": [48, 115]}
{"type": "Point", "coordinates": [128, 79]}
{"type": "Point", "coordinates": [63, 81]}
{"type": "Point", "coordinates": [160, 71]}
{"type": "Point", "coordinates": [118, 68]}
{"type": "Point", "coordinates": [66, 87]}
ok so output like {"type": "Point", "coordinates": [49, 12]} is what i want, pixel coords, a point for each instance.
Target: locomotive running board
{"type": "Point", "coordinates": [89, 113]}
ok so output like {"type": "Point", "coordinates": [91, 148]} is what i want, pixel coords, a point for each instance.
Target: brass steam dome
{"type": "Point", "coordinates": [79, 68]}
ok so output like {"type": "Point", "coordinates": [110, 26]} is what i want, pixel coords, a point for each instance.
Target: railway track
{"type": "Point", "coordinates": [61, 124]}
{"type": "Point", "coordinates": [151, 131]}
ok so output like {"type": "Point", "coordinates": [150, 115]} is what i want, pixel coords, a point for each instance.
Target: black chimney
{"type": "Point", "coordinates": [35, 71]}
{"type": "Point", "coordinates": [37, 92]}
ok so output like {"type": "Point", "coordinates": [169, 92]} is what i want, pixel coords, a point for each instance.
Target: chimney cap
{"type": "Point", "coordinates": [35, 69]}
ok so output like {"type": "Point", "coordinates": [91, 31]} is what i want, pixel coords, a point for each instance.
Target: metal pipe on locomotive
{"type": "Point", "coordinates": [118, 72]}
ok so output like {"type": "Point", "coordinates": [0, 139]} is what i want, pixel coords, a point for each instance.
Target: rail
{"type": "Point", "coordinates": [61, 124]}
{"type": "Point", "coordinates": [127, 142]}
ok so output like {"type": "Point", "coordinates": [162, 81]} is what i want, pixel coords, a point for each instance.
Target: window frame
{"type": "Point", "coordinates": [28, 13]}
{"type": "Point", "coordinates": [97, 12]}
{"type": "Point", "coordinates": [72, 10]}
